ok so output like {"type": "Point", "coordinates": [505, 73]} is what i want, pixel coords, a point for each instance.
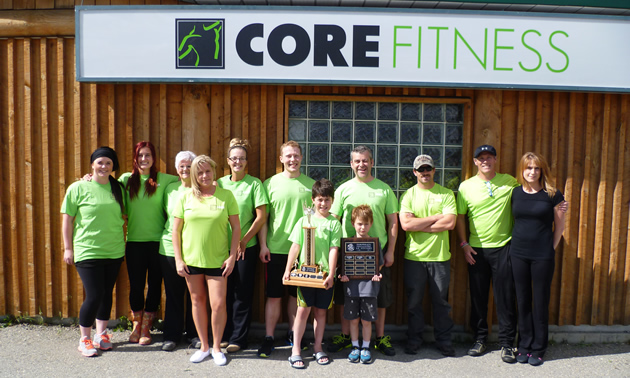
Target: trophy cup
{"type": "Point", "coordinates": [309, 274]}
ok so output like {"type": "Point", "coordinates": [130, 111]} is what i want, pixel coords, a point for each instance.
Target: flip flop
{"type": "Point", "coordinates": [293, 360]}
{"type": "Point", "coordinates": [321, 355]}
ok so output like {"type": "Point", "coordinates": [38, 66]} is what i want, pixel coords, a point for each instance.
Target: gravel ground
{"type": "Point", "coordinates": [51, 351]}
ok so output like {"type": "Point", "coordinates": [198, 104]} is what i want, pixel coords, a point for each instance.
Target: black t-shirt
{"type": "Point", "coordinates": [532, 236]}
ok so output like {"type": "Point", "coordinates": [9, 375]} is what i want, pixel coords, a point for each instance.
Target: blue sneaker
{"type": "Point", "coordinates": [366, 356]}
{"type": "Point", "coordinates": [355, 355]}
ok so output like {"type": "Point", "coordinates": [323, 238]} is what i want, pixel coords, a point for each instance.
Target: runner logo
{"type": "Point", "coordinates": [200, 43]}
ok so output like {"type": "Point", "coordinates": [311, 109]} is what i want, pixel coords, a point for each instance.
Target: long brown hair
{"type": "Point", "coordinates": [546, 179]}
{"type": "Point", "coordinates": [133, 184]}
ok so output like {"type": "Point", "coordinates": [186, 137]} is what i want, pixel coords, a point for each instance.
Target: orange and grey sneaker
{"type": "Point", "coordinates": [103, 341]}
{"type": "Point", "coordinates": [86, 348]}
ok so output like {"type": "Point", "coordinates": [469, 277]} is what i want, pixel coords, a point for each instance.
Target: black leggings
{"type": "Point", "coordinates": [142, 258]}
{"type": "Point", "coordinates": [98, 279]}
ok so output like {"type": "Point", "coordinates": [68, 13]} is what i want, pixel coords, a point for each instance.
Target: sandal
{"type": "Point", "coordinates": [319, 357]}
{"type": "Point", "coordinates": [293, 360]}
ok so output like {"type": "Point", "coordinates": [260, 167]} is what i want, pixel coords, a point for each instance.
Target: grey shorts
{"type": "Point", "coordinates": [363, 307]}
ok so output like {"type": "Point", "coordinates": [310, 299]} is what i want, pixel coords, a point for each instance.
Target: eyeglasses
{"type": "Point", "coordinates": [424, 169]}
{"type": "Point", "coordinates": [236, 158]}
{"type": "Point", "coordinates": [489, 186]}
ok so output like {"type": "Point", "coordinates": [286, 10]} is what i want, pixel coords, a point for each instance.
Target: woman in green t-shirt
{"type": "Point", "coordinates": [252, 204]}
{"type": "Point", "coordinates": [146, 217]}
{"type": "Point", "coordinates": [204, 253]}
{"type": "Point", "coordinates": [94, 242]}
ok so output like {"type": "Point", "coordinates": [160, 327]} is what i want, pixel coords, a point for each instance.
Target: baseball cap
{"type": "Point", "coordinates": [485, 148]}
{"type": "Point", "coordinates": [423, 160]}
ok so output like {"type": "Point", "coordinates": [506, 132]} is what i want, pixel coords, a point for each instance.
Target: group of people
{"type": "Point", "coordinates": [204, 235]}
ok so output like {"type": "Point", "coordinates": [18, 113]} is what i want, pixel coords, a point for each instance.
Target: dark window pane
{"type": "Point", "coordinates": [408, 155]}
{"type": "Point", "coordinates": [435, 153]}
{"type": "Point", "coordinates": [432, 133]}
{"type": "Point", "coordinates": [387, 132]}
{"type": "Point", "coordinates": [410, 133]}
{"type": "Point", "coordinates": [297, 130]}
{"type": "Point", "coordinates": [411, 112]}
{"type": "Point", "coordinates": [341, 132]}
{"type": "Point", "coordinates": [365, 110]}
{"type": "Point", "coordinates": [386, 155]}
{"type": "Point", "coordinates": [388, 110]}
{"type": "Point", "coordinates": [341, 154]}
{"type": "Point", "coordinates": [454, 134]}
{"type": "Point", "coordinates": [452, 179]}
{"type": "Point", "coordinates": [433, 112]}
{"type": "Point", "coordinates": [364, 132]}
{"type": "Point", "coordinates": [318, 131]}
{"type": "Point", "coordinates": [454, 113]}
{"type": "Point", "coordinates": [317, 173]}
{"type": "Point", "coordinates": [342, 110]}
{"type": "Point", "coordinates": [388, 176]}
{"type": "Point", "coordinates": [340, 175]}
{"type": "Point", "coordinates": [297, 109]}
{"type": "Point", "coordinates": [452, 157]}
{"type": "Point", "coordinates": [407, 179]}
{"type": "Point", "coordinates": [437, 177]}
{"type": "Point", "coordinates": [319, 109]}
{"type": "Point", "coordinates": [318, 154]}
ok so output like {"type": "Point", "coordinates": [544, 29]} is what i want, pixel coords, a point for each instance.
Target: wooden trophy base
{"type": "Point", "coordinates": [307, 276]}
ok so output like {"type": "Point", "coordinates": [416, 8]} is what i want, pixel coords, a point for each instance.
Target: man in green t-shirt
{"type": "Point", "coordinates": [427, 212]}
{"type": "Point", "coordinates": [486, 199]}
{"type": "Point", "coordinates": [287, 191]}
{"type": "Point", "coordinates": [364, 188]}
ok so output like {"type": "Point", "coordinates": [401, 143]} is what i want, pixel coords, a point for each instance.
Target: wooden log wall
{"type": "Point", "coordinates": [50, 124]}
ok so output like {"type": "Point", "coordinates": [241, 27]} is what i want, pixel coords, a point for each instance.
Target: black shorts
{"type": "Point", "coordinates": [363, 307]}
{"type": "Point", "coordinates": [312, 297]}
{"type": "Point", "coordinates": [274, 271]}
{"type": "Point", "coordinates": [212, 272]}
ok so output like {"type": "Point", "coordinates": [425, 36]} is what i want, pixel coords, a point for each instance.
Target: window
{"type": "Point", "coordinates": [395, 131]}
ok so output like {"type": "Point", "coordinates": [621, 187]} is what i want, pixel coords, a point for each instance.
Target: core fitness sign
{"type": "Point", "coordinates": [359, 46]}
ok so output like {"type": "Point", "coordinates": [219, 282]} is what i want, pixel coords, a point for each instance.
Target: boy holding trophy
{"type": "Point", "coordinates": [316, 238]}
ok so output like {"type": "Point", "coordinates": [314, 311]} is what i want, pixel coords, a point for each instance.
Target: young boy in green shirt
{"type": "Point", "coordinates": [327, 242]}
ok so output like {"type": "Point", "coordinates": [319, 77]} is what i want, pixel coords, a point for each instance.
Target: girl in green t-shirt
{"type": "Point", "coordinates": [204, 253]}
{"type": "Point", "coordinates": [94, 242]}
{"type": "Point", "coordinates": [252, 204]}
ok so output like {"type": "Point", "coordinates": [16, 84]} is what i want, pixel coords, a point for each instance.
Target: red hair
{"type": "Point", "coordinates": [133, 184]}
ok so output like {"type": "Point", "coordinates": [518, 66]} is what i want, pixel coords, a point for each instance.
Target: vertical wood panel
{"type": "Point", "coordinates": [6, 119]}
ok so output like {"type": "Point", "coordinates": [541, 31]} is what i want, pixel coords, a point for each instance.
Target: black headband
{"type": "Point", "coordinates": [105, 152]}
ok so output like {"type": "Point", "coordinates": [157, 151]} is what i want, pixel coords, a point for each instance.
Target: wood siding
{"type": "Point", "coordinates": [50, 124]}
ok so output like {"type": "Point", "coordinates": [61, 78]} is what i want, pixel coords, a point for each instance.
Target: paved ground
{"type": "Point", "coordinates": [50, 351]}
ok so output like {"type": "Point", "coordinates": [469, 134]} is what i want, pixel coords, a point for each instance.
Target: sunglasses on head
{"type": "Point", "coordinates": [424, 169]}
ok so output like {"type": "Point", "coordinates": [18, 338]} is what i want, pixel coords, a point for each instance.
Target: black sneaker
{"type": "Point", "coordinates": [507, 355]}
{"type": "Point", "coordinates": [384, 345]}
{"type": "Point", "coordinates": [522, 358]}
{"type": "Point", "coordinates": [446, 350]}
{"type": "Point", "coordinates": [266, 348]}
{"type": "Point", "coordinates": [535, 361]}
{"type": "Point", "coordinates": [411, 349]}
{"type": "Point", "coordinates": [339, 342]}
{"type": "Point", "coordinates": [477, 349]}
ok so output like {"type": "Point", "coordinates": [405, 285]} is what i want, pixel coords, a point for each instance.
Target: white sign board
{"type": "Point", "coordinates": [352, 46]}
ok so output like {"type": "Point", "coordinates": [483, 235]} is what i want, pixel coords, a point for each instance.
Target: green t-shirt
{"type": "Point", "coordinates": [205, 242]}
{"type": "Point", "coordinates": [171, 199]}
{"type": "Point", "coordinates": [98, 222]}
{"type": "Point", "coordinates": [286, 197]}
{"type": "Point", "coordinates": [375, 193]}
{"type": "Point", "coordinates": [489, 217]}
{"type": "Point", "coordinates": [327, 235]}
{"type": "Point", "coordinates": [249, 194]}
{"type": "Point", "coordinates": [146, 215]}
{"type": "Point", "coordinates": [427, 246]}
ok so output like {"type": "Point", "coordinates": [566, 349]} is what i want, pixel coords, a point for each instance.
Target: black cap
{"type": "Point", "coordinates": [105, 152]}
{"type": "Point", "coordinates": [485, 148]}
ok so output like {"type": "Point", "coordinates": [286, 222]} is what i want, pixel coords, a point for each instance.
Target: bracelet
{"type": "Point", "coordinates": [463, 244]}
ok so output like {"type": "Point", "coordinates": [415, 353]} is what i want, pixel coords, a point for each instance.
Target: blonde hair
{"type": "Point", "coordinates": [291, 143]}
{"type": "Point", "coordinates": [363, 212]}
{"type": "Point", "coordinates": [546, 179]}
{"type": "Point", "coordinates": [194, 171]}
{"type": "Point", "coordinates": [239, 143]}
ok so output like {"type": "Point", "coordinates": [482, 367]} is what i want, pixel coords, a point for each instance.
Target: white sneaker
{"type": "Point", "coordinates": [219, 358]}
{"type": "Point", "coordinates": [200, 355]}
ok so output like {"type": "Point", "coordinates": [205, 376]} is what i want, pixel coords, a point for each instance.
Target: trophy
{"type": "Point", "coordinates": [309, 274]}
{"type": "Point", "coordinates": [359, 258]}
